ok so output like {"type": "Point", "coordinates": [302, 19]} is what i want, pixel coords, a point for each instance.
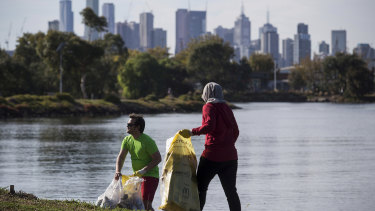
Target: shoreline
{"type": "Point", "coordinates": [63, 105]}
{"type": "Point", "coordinates": [26, 201]}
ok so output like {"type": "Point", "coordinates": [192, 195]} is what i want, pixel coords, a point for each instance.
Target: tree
{"type": "Point", "coordinates": [14, 77]}
{"type": "Point", "coordinates": [347, 75]}
{"type": "Point", "coordinates": [176, 76]}
{"type": "Point", "coordinates": [158, 52]}
{"type": "Point", "coordinates": [307, 75]}
{"type": "Point", "coordinates": [261, 63]}
{"type": "Point", "coordinates": [241, 76]}
{"type": "Point", "coordinates": [42, 80]}
{"type": "Point", "coordinates": [93, 21]}
{"type": "Point", "coordinates": [209, 59]}
{"type": "Point", "coordinates": [297, 78]}
{"type": "Point", "coordinates": [102, 80]}
{"type": "Point", "coordinates": [141, 76]}
{"type": "Point", "coordinates": [79, 58]}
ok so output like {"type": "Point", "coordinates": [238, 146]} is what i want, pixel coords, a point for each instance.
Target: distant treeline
{"type": "Point", "coordinates": [105, 67]}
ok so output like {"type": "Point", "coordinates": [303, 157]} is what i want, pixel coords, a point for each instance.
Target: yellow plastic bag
{"type": "Point", "coordinates": [179, 188]}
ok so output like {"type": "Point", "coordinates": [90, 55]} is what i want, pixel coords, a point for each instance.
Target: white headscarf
{"type": "Point", "coordinates": [213, 93]}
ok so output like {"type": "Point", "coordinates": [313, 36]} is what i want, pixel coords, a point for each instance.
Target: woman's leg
{"type": "Point", "coordinates": [206, 172]}
{"type": "Point", "coordinates": [228, 176]}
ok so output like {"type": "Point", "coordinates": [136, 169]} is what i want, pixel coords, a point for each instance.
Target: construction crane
{"type": "Point", "coordinates": [23, 24]}
{"type": "Point", "coordinates": [129, 9]}
{"type": "Point", "coordinates": [148, 6]}
{"type": "Point", "coordinates": [9, 32]}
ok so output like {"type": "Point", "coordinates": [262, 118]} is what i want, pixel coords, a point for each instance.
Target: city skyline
{"type": "Point", "coordinates": [355, 17]}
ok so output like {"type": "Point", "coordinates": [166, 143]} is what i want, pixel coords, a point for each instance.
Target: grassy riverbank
{"type": "Point", "coordinates": [64, 105]}
{"type": "Point", "coordinates": [24, 201]}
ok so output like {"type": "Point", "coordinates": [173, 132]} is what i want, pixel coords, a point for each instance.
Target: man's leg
{"type": "Point", "coordinates": [228, 176]}
{"type": "Point", "coordinates": [206, 172]}
{"type": "Point", "coordinates": [149, 186]}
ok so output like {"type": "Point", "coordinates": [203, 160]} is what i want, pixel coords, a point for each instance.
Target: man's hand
{"type": "Point", "coordinates": [140, 173]}
{"type": "Point", "coordinates": [186, 133]}
{"type": "Point", "coordinates": [117, 175]}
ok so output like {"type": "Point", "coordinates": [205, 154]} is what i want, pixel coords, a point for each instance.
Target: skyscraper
{"type": "Point", "coordinates": [323, 48]}
{"type": "Point", "coordinates": [225, 34]}
{"type": "Point", "coordinates": [90, 33]}
{"type": "Point", "coordinates": [197, 24]}
{"type": "Point", "coordinates": [367, 53]}
{"type": "Point", "coordinates": [189, 25]}
{"type": "Point", "coordinates": [338, 41]}
{"type": "Point", "coordinates": [146, 25]}
{"type": "Point", "coordinates": [108, 11]}
{"type": "Point", "coordinates": [302, 44]}
{"type": "Point", "coordinates": [66, 16]}
{"type": "Point", "coordinates": [53, 25]}
{"type": "Point", "coordinates": [159, 38]}
{"type": "Point", "coordinates": [182, 29]}
{"type": "Point", "coordinates": [287, 55]}
{"type": "Point", "coordinates": [129, 33]}
{"type": "Point", "coordinates": [242, 34]}
{"type": "Point", "coordinates": [269, 41]}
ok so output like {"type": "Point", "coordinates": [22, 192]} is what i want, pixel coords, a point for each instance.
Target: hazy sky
{"type": "Point", "coordinates": [357, 17]}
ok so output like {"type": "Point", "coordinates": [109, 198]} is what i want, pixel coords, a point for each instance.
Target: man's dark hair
{"type": "Point", "coordinates": [138, 121]}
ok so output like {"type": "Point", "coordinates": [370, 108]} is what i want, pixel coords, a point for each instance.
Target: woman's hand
{"type": "Point", "coordinates": [186, 133]}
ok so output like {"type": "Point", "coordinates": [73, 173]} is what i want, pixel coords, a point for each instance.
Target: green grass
{"type": "Point", "coordinates": [24, 201]}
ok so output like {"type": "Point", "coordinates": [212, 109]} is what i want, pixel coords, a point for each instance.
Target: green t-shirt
{"type": "Point", "coordinates": [141, 150]}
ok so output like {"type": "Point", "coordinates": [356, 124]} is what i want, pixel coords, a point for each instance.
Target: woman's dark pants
{"type": "Point", "coordinates": [227, 172]}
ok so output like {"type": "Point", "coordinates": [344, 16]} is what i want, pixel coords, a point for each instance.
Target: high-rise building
{"type": "Point", "coordinates": [269, 41]}
{"type": "Point", "coordinates": [90, 33]}
{"type": "Point", "coordinates": [159, 38]}
{"type": "Point", "coordinates": [242, 34]}
{"type": "Point", "coordinates": [287, 55]}
{"type": "Point", "coordinates": [129, 32]}
{"type": "Point", "coordinates": [302, 44]}
{"type": "Point", "coordinates": [338, 41]}
{"type": "Point", "coordinates": [197, 24]}
{"type": "Point", "coordinates": [323, 48]}
{"type": "Point", "coordinates": [146, 25]}
{"type": "Point", "coordinates": [53, 25]}
{"type": "Point", "coordinates": [189, 25]}
{"type": "Point", "coordinates": [365, 51]}
{"type": "Point", "coordinates": [66, 16]}
{"type": "Point", "coordinates": [182, 29]}
{"type": "Point", "coordinates": [108, 11]}
{"type": "Point", "coordinates": [367, 54]}
{"type": "Point", "coordinates": [225, 34]}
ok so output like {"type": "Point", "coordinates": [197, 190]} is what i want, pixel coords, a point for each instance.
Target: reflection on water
{"type": "Point", "coordinates": [303, 156]}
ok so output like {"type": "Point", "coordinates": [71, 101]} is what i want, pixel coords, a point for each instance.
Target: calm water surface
{"type": "Point", "coordinates": [303, 156]}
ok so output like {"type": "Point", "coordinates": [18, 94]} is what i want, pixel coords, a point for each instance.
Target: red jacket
{"type": "Point", "coordinates": [220, 127]}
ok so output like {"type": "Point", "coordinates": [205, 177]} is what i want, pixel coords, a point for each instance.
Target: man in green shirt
{"type": "Point", "coordinates": [145, 157]}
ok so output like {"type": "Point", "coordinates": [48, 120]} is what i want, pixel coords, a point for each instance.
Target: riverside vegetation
{"type": "Point", "coordinates": [60, 105]}
{"type": "Point", "coordinates": [24, 201]}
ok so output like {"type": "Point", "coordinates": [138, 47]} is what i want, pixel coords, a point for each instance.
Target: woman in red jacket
{"type": "Point", "coordinates": [220, 154]}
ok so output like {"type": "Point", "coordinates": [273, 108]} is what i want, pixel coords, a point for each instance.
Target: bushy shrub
{"type": "Point", "coordinates": [151, 97]}
{"type": "Point", "coordinates": [65, 97]}
{"type": "Point", "coordinates": [112, 99]}
{"type": "Point", "coordinates": [3, 100]}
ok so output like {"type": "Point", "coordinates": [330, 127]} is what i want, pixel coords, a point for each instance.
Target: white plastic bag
{"type": "Point", "coordinates": [132, 196]}
{"type": "Point", "coordinates": [112, 195]}
{"type": "Point", "coordinates": [124, 192]}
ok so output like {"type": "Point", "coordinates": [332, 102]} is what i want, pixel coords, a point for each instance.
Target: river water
{"type": "Point", "coordinates": [292, 156]}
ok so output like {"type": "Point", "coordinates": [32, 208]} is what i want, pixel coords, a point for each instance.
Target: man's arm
{"type": "Point", "coordinates": [156, 159]}
{"type": "Point", "coordinates": [120, 162]}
